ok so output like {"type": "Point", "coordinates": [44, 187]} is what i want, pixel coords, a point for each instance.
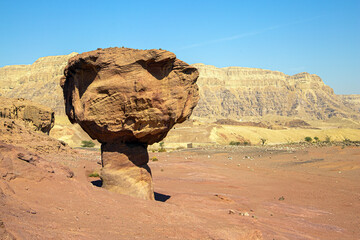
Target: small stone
{"type": "Point", "coordinates": [231, 211]}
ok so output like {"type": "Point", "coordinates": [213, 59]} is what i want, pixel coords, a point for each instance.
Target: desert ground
{"type": "Point", "coordinates": [223, 192]}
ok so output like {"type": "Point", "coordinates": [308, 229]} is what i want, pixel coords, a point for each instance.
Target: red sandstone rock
{"type": "Point", "coordinates": [126, 99]}
{"type": "Point", "coordinates": [129, 95]}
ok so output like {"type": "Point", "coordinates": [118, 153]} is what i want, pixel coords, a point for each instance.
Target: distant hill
{"type": "Point", "coordinates": [352, 101]}
{"type": "Point", "coordinates": [235, 92]}
{"type": "Point", "coordinates": [38, 82]}
{"type": "Point", "coordinates": [226, 93]}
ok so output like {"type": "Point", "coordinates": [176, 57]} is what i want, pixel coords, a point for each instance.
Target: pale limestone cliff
{"type": "Point", "coordinates": [234, 92]}
{"type": "Point", "coordinates": [352, 101]}
{"type": "Point", "coordinates": [38, 82]}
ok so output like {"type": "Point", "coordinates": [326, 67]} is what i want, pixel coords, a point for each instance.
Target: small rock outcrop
{"type": "Point", "coordinates": [127, 99]}
{"type": "Point", "coordinates": [36, 116]}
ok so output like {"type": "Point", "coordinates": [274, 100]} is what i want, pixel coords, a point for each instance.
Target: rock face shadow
{"type": "Point", "coordinates": [161, 197]}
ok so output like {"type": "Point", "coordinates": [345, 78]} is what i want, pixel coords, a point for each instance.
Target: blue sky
{"type": "Point", "coordinates": [292, 36]}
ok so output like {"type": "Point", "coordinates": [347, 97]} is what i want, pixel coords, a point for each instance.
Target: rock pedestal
{"type": "Point", "coordinates": [128, 99]}
{"type": "Point", "coordinates": [125, 169]}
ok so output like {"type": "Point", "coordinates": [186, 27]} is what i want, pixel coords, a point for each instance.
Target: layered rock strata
{"type": "Point", "coordinates": [352, 101]}
{"type": "Point", "coordinates": [126, 99]}
{"type": "Point", "coordinates": [234, 92]}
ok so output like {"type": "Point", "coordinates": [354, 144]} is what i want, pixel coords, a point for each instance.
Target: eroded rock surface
{"type": "Point", "coordinates": [38, 117]}
{"type": "Point", "coordinates": [126, 99]}
{"type": "Point", "coordinates": [235, 92]}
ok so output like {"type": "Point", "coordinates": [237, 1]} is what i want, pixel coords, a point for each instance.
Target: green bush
{"type": "Point", "coordinates": [308, 139]}
{"type": "Point", "coordinates": [94, 174]}
{"type": "Point", "coordinates": [316, 139]}
{"type": "Point", "coordinates": [235, 143]}
{"type": "Point", "coordinates": [88, 144]}
{"type": "Point", "coordinates": [154, 159]}
{"type": "Point", "coordinates": [161, 149]}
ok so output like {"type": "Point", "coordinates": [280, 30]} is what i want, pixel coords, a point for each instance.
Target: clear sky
{"type": "Point", "coordinates": [291, 36]}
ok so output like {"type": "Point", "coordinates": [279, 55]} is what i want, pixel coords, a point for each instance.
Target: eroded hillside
{"type": "Point", "coordinates": [234, 92]}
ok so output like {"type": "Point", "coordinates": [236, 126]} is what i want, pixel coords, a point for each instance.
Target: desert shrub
{"type": "Point", "coordinates": [161, 149]}
{"type": "Point", "coordinates": [246, 143]}
{"type": "Point", "coordinates": [327, 139]}
{"type": "Point", "coordinates": [308, 139]}
{"type": "Point", "coordinates": [94, 174]}
{"type": "Point", "coordinates": [235, 143]}
{"type": "Point", "coordinates": [263, 141]}
{"type": "Point", "coordinates": [88, 144]}
{"type": "Point", "coordinates": [154, 159]}
{"type": "Point", "coordinates": [316, 139]}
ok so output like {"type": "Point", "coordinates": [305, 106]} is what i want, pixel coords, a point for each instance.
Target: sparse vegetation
{"type": "Point", "coordinates": [316, 139]}
{"type": "Point", "coordinates": [308, 139]}
{"type": "Point", "coordinates": [88, 144]}
{"type": "Point", "coordinates": [154, 159]}
{"type": "Point", "coordinates": [94, 174]}
{"type": "Point", "coordinates": [161, 149]}
{"type": "Point", "coordinates": [263, 141]}
{"type": "Point", "coordinates": [327, 139]}
{"type": "Point", "coordinates": [236, 143]}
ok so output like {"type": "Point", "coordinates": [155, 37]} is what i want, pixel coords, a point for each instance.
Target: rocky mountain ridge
{"type": "Point", "coordinates": [234, 92]}
{"type": "Point", "coordinates": [225, 93]}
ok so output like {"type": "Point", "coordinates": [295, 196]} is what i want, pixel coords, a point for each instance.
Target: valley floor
{"type": "Point", "coordinates": [279, 192]}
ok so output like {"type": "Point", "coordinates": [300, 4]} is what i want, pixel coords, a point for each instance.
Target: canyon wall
{"type": "Point", "coordinates": [234, 92]}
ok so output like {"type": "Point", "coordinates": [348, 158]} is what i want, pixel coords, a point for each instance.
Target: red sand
{"type": "Point", "coordinates": [232, 193]}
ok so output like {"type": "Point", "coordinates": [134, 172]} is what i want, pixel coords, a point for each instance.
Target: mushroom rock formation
{"type": "Point", "coordinates": [127, 99]}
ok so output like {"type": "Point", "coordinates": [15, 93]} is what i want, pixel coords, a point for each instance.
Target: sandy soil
{"type": "Point", "coordinates": [219, 193]}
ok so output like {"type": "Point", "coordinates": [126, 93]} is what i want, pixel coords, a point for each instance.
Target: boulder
{"type": "Point", "coordinates": [127, 99]}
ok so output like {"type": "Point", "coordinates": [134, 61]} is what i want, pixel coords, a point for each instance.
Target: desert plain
{"type": "Point", "coordinates": [231, 192]}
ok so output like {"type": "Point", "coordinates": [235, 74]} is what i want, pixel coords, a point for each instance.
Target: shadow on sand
{"type": "Point", "coordinates": [158, 196]}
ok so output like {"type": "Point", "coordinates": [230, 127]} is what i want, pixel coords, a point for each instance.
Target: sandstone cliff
{"type": "Point", "coordinates": [234, 92]}
{"type": "Point", "coordinates": [38, 82]}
